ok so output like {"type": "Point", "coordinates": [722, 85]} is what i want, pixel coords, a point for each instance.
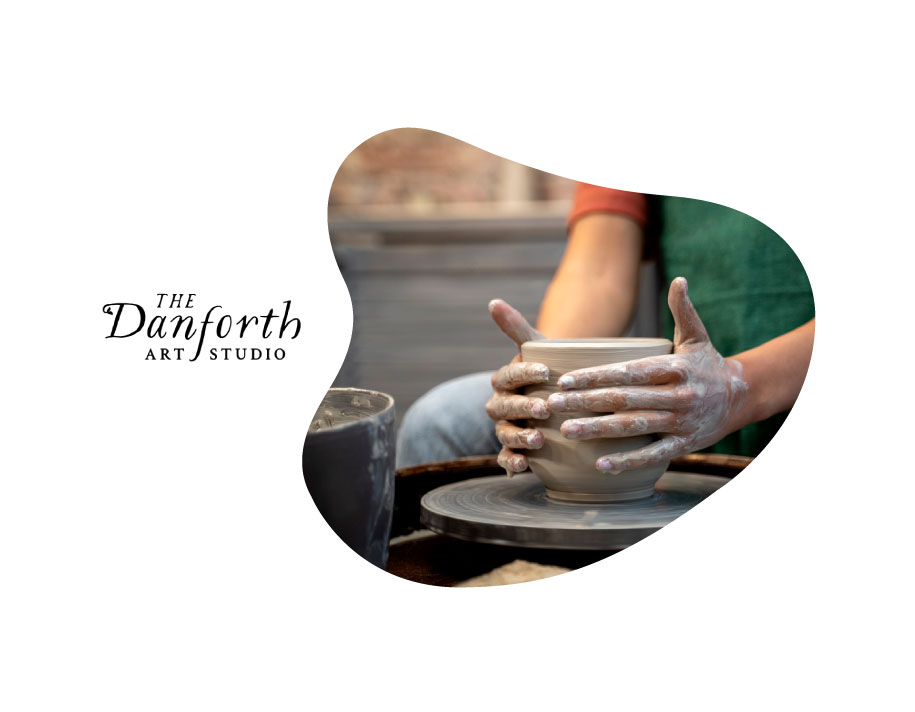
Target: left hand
{"type": "Point", "coordinates": [690, 397]}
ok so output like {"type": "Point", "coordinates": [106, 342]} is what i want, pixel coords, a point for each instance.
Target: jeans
{"type": "Point", "coordinates": [448, 422]}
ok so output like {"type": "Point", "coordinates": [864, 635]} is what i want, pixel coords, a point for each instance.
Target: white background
{"type": "Point", "coordinates": [158, 548]}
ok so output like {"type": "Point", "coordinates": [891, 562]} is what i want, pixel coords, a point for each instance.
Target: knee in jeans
{"type": "Point", "coordinates": [435, 412]}
{"type": "Point", "coordinates": [447, 422]}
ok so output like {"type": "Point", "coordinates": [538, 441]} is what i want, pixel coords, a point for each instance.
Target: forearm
{"type": "Point", "coordinates": [595, 288]}
{"type": "Point", "coordinates": [774, 373]}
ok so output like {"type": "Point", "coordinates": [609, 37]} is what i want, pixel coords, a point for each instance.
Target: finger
{"type": "Point", "coordinates": [512, 407]}
{"type": "Point", "coordinates": [510, 435]}
{"type": "Point", "coordinates": [640, 372]}
{"type": "Point", "coordinates": [611, 400]}
{"type": "Point", "coordinates": [660, 451]}
{"type": "Point", "coordinates": [511, 462]}
{"type": "Point", "coordinates": [520, 373]}
{"type": "Point", "coordinates": [512, 323]}
{"type": "Point", "coordinates": [621, 425]}
{"type": "Point", "coordinates": [688, 327]}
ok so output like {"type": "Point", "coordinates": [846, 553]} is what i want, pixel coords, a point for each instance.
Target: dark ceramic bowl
{"type": "Point", "coordinates": [348, 463]}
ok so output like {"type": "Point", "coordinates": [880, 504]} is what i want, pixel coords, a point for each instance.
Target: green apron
{"type": "Point", "coordinates": [746, 283]}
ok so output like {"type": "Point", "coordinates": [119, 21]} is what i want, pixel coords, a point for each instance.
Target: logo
{"type": "Point", "coordinates": [195, 332]}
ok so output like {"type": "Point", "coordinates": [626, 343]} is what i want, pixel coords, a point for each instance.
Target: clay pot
{"type": "Point", "coordinates": [348, 463]}
{"type": "Point", "coordinates": [568, 467]}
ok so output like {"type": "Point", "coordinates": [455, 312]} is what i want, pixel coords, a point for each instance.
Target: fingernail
{"type": "Point", "coordinates": [492, 305]}
{"type": "Point", "coordinates": [540, 410]}
{"type": "Point", "coordinates": [517, 464]}
{"type": "Point", "coordinates": [565, 401]}
{"type": "Point", "coordinates": [541, 372]}
{"type": "Point", "coordinates": [566, 382]}
{"type": "Point", "coordinates": [571, 429]}
{"type": "Point", "coordinates": [532, 439]}
{"type": "Point", "coordinates": [605, 464]}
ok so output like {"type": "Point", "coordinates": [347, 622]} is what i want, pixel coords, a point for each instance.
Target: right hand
{"type": "Point", "coordinates": [507, 404]}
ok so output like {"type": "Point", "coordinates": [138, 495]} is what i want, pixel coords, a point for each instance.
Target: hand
{"type": "Point", "coordinates": [689, 397]}
{"type": "Point", "coordinates": [506, 404]}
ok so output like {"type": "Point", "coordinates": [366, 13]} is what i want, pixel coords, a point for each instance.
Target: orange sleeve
{"type": "Point", "coordinates": [594, 199]}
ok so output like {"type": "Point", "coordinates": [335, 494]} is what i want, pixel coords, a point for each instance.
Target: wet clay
{"type": "Point", "coordinates": [346, 406]}
{"type": "Point", "coordinates": [568, 467]}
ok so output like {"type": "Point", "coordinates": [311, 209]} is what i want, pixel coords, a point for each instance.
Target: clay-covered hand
{"type": "Point", "coordinates": [506, 403]}
{"type": "Point", "coordinates": [689, 397]}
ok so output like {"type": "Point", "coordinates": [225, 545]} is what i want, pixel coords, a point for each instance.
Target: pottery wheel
{"type": "Point", "coordinates": [516, 511]}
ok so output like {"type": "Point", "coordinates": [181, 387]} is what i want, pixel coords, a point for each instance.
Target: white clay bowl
{"type": "Point", "coordinates": [568, 468]}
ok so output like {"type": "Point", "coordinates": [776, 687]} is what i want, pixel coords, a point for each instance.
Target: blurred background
{"type": "Point", "coordinates": [426, 231]}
